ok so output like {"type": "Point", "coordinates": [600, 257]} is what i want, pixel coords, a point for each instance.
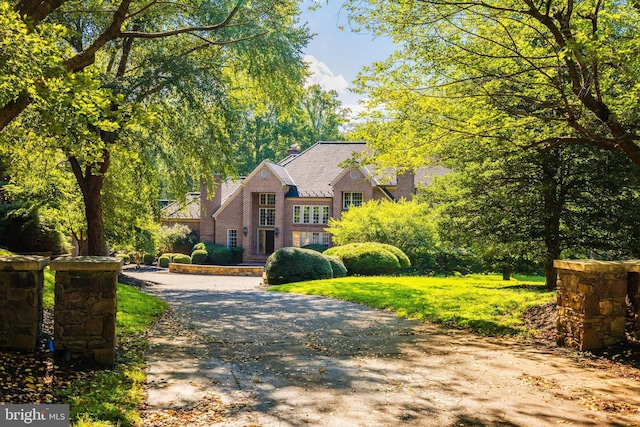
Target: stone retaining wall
{"type": "Point", "coordinates": [85, 307]}
{"type": "Point", "coordinates": [591, 302]}
{"type": "Point", "coordinates": [220, 270]}
{"type": "Point", "coordinates": [21, 287]}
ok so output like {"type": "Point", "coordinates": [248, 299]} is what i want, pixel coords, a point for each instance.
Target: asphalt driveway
{"type": "Point", "coordinates": [234, 354]}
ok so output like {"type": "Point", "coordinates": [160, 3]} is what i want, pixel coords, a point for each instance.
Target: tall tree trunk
{"type": "Point", "coordinates": [91, 181]}
{"type": "Point", "coordinates": [96, 243]}
{"type": "Point", "coordinates": [506, 272]}
{"type": "Point", "coordinates": [553, 205]}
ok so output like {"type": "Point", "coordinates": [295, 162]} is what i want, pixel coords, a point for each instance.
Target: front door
{"type": "Point", "coordinates": [265, 242]}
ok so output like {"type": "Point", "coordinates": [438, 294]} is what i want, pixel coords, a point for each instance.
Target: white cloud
{"type": "Point", "coordinates": [321, 74]}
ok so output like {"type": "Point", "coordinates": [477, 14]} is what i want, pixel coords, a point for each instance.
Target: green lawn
{"type": "Point", "coordinates": [484, 304]}
{"type": "Point", "coordinates": [113, 397]}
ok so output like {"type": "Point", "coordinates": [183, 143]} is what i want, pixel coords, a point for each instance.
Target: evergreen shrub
{"type": "Point", "coordinates": [366, 259]}
{"type": "Point", "coordinates": [199, 256]}
{"type": "Point", "coordinates": [165, 259]}
{"type": "Point", "coordinates": [236, 254]}
{"type": "Point", "coordinates": [148, 258]}
{"type": "Point", "coordinates": [339, 270]}
{"type": "Point", "coordinates": [403, 259]}
{"type": "Point", "coordinates": [181, 259]}
{"type": "Point", "coordinates": [217, 254]}
{"type": "Point", "coordinates": [315, 247]}
{"type": "Point", "coordinates": [287, 265]}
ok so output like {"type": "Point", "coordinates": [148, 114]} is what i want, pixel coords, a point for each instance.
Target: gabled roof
{"type": "Point", "coordinates": [190, 209]}
{"type": "Point", "coordinates": [315, 169]}
{"type": "Point", "coordinates": [179, 209]}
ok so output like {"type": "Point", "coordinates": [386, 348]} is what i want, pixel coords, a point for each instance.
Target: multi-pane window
{"type": "Point", "coordinates": [351, 199]}
{"type": "Point", "coordinates": [232, 238]}
{"type": "Point", "coordinates": [267, 199]}
{"type": "Point", "coordinates": [310, 214]}
{"type": "Point", "coordinates": [303, 238]}
{"type": "Point", "coordinates": [267, 217]}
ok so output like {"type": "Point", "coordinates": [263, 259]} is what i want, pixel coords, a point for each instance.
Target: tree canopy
{"type": "Point", "coordinates": [142, 84]}
{"type": "Point", "coordinates": [530, 73]}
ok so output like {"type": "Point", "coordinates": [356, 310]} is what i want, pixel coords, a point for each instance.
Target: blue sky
{"type": "Point", "coordinates": [336, 56]}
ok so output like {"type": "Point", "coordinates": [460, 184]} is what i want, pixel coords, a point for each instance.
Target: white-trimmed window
{"type": "Point", "coordinates": [267, 217]}
{"type": "Point", "coordinates": [267, 199]}
{"type": "Point", "coordinates": [351, 199]}
{"type": "Point", "coordinates": [232, 238]}
{"type": "Point", "coordinates": [303, 238]}
{"type": "Point", "coordinates": [310, 214]}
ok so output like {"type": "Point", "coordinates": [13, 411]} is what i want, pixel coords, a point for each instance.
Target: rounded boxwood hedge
{"type": "Point", "coordinates": [403, 259]}
{"type": "Point", "coordinates": [339, 270]}
{"type": "Point", "coordinates": [216, 254]}
{"type": "Point", "coordinates": [165, 259]}
{"type": "Point", "coordinates": [181, 259]}
{"type": "Point", "coordinates": [366, 259]}
{"type": "Point", "coordinates": [148, 258]}
{"type": "Point", "coordinates": [287, 265]}
{"type": "Point", "coordinates": [199, 256]}
{"type": "Point", "coordinates": [315, 247]}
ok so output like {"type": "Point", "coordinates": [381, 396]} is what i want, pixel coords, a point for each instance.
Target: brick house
{"type": "Point", "coordinates": [289, 203]}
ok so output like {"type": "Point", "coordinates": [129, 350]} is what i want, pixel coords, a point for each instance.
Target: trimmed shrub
{"type": "Point", "coordinates": [181, 259]}
{"type": "Point", "coordinates": [148, 258]}
{"type": "Point", "coordinates": [315, 247]}
{"type": "Point", "coordinates": [199, 256]}
{"type": "Point", "coordinates": [366, 259]}
{"type": "Point", "coordinates": [217, 254]}
{"type": "Point", "coordinates": [339, 270]}
{"type": "Point", "coordinates": [403, 259]}
{"type": "Point", "coordinates": [287, 265]}
{"type": "Point", "coordinates": [165, 259]}
{"type": "Point", "coordinates": [236, 254]}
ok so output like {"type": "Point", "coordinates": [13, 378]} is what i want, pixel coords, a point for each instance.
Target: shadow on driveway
{"type": "Point", "coordinates": [276, 359]}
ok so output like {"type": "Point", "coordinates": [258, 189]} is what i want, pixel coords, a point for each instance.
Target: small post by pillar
{"type": "Point", "coordinates": [85, 307]}
{"type": "Point", "coordinates": [21, 287]}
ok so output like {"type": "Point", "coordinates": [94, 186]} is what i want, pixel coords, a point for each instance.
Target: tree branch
{"type": "Point", "coordinates": [206, 28]}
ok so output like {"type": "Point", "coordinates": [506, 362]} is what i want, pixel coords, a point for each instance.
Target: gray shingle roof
{"type": "Point", "coordinates": [314, 169]}
{"type": "Point", "coordinates": [190, 209]}
{"type": "Point", "coordinates": [179, 209]}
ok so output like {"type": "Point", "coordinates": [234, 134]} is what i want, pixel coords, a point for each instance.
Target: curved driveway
{"type": "Point", "coordinates": [275, 359]}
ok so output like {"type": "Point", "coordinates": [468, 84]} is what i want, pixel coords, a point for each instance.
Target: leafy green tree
{"type": "Point", "coordinates": [522, 72]}
{"type": "Point", "coordinates": [128, 71]}
{"type": "Point", "coordinates": [409, 225]}
{"type": "Point", "coordinates": [530, 205]}
{"type": "Point", "coordinates": [268, 130]}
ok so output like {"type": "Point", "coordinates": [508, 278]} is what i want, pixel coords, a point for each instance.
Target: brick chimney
{"type": "Point", "coordinates": [208, 205]}
{"type": "Point", "coordinates": [405, 184]}
{"type": "Point", "coordinates": [294, 150]}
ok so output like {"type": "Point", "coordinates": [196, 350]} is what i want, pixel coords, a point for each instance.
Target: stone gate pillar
{"type": "Point", "coordinates": [21, 286]}
{"type": "Point", "coordinates": [591, 302]}
{"type": "Point", "coordinates": [85, 307]}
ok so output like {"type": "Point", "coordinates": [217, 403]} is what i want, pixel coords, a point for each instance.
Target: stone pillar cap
{"type": "Point", "coordinates": [87, 263]}
{"type": "Point", "coordinates": [23, 262]}
{"type": "Point", "coordinates": [592, 265]}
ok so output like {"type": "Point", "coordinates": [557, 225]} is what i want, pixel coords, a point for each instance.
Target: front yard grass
{"type": "Point", "coordinates": [484, 304]}
{"type": "Point", "coordinates": [112, 397]}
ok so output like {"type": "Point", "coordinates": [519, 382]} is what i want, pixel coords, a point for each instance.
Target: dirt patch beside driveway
{"type": "Point", "coordinates": [233, 354]}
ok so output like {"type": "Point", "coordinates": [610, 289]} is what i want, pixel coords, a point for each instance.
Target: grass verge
{"type": "Point", "coordinates": [113, 397]}
{"type": "Point", "coordinates": [484, 304]}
